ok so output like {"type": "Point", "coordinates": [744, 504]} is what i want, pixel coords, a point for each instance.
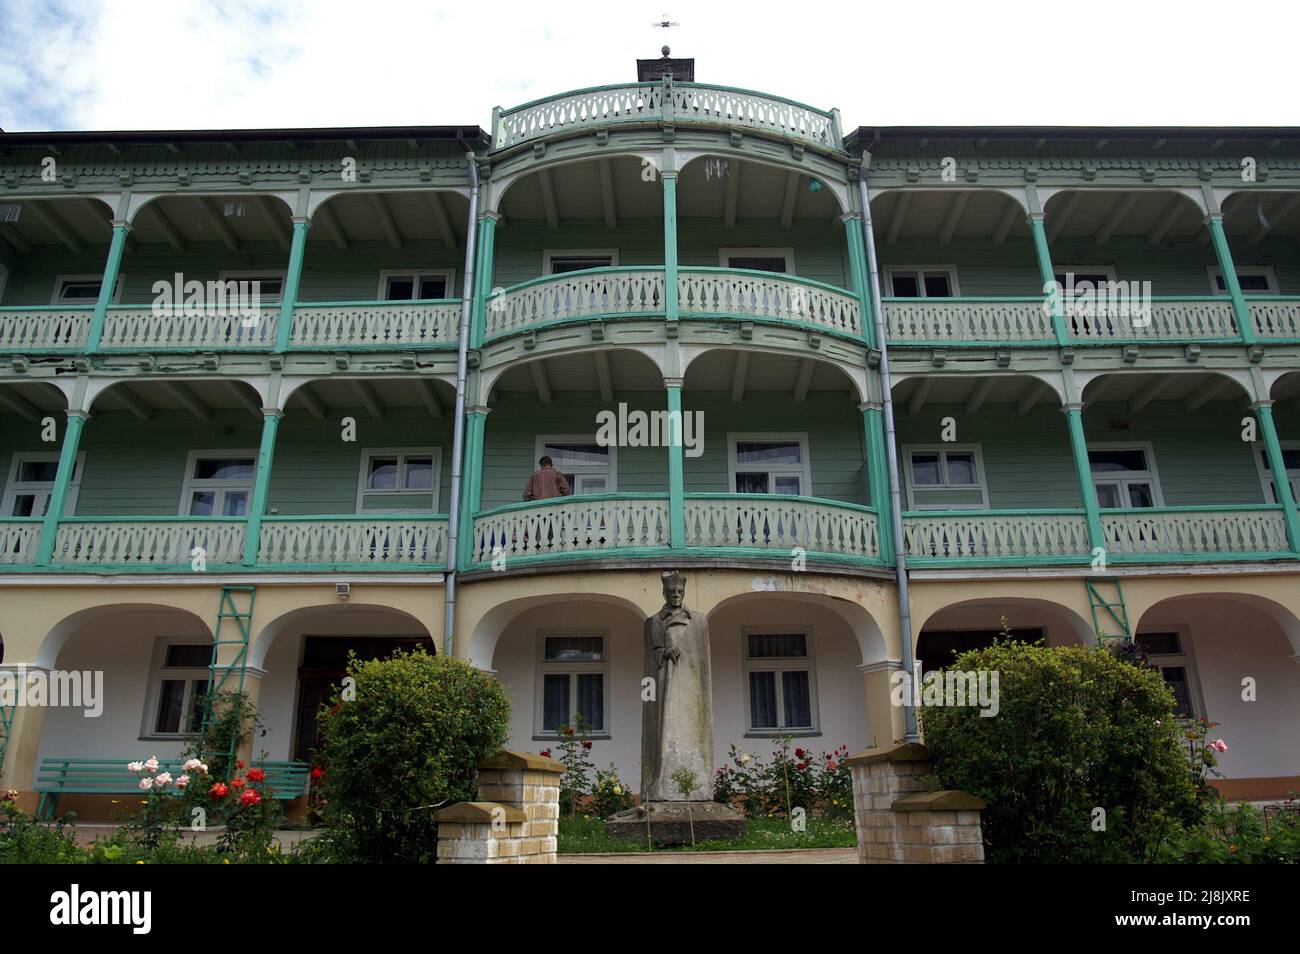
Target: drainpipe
{"type": "Point", "coordinates": [458, 427]}
{"type": "Point", "coordinates": [891, 455]}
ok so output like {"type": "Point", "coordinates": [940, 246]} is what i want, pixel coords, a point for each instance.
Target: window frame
{"type": "Point", "coordinates": [572, 669]}
{"type": "Point", "coordinates": [1186, 659]}
{"type": "Point", "coordinates": [539, 450]}
{"type": "Point", "coordinates": [416, 273]}
{"type": "Point", "coordinates": [1259, 450]}
{"type": "Point", "coordinates": [907, 450]}
{"type": "Point", "coordinates": [158, 672]}
{"type": "Point", "coordinates": [550, 254]}
{"type": "Point", "coordinates": [191, 483]}
{"type": "Point", "coordinates": [734, 467]}
{"type": "Point", "coordinates": [920, 271]}
{"type": "Point", "coordinates": [1215, 273]}
{"type": "Point", "coordinates": [726, 252]}
{"type": "Point", "coordinates": [780, 665]}
{"type": "Point", "coordinates": [14, 487]}
{"type": "Point", "coordinates": [1152, 473]}
{"type": "Point", "coordinates": [401, 453]}
{"type": "Point", "coordinates": [256, 274]}
{"type": "Point", "coordinates": [56, 297]}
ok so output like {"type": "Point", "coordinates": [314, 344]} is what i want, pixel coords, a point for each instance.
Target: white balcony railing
{"type": "Point", "coordinates": [144, 328]}
{"type": "Point", "coordinates": [18, 540]}
{"type": "Point", "coordinates": [571, 525]}
{"type": "Point", "coordinates": [1170, 319]}
{"type": "Point", "coordinates": [1275, 317]}
{"type": "Point", "coordinates": [593, 293]}
{"type": "Point", "coordinates": [353, 541]}
{"type": "Point", "coordinates": [365, 324]}
{"type": "Point", "coordinates": [967, 320]}
{"type": "Point", "coordinates": [736, 293]}
{"type": "Point", "coordinates": [1191, 532]}
{"type": "Point", "coordinates": [54, 328]}
{"type": "Point", "coordinates": [995, 535]}
{"type": "Point", "coordinates": [148, 542]}
{"type": "Point", "coordinates": [780, 524]}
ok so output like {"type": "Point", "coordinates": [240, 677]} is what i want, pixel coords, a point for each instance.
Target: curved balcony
{"type": "Point", "coordinates": [674, 103]}
{"type": "Point", "coordinates": [571, 526]}
{"type": "Point", "coordinates": [780, 524]}
{"type": "Point", "coordinates": [704, 293]}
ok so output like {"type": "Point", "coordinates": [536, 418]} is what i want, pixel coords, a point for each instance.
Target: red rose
{"type": "Point", "coordinates": [250, 797]}
{"type": "Point", "coordinates": [316, 773]}
{"type": "Point", "coordinates": [237, 783]}
{"type": "Point", "coordinates": [830, 766]}
{"type": "Point", "coordinates": [219, 790]}
{"type": "Point", "coordinates": [586, 744]}
{"type": "Point", "coordinates": [545, 753]}
{"type": "Point", "coordinates": [256, 775]}
{"type": "Point", "coordinates": [798, 753]}
{"type": "Point", "coordinates": [239, 764]}
{"type": "Point", "coordinates": [568, 730]}
{"type": "Point", "coordinates": [801, 766]}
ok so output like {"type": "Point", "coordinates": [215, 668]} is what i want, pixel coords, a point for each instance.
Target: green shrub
{"type": "Point", "coordinates": [402, 741]}
{"type": "Point", "coordinates": [27, 842]}
{"type": "Point", "coordinates": [1239, 835]}
{"type": "Point", "coordinates": [820, 783]}
{"type": "Point", "coordinates": [1077, 729]}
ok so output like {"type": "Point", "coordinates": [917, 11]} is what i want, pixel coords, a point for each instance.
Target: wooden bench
{"type": "Point", "coordinates": [284, 780]}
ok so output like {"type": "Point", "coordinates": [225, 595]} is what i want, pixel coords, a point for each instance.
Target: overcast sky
{"type": "Point", "coordinates": [191, 64]}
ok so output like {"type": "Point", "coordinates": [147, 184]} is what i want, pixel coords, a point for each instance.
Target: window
{"type": "Point", "coordinates": [1169, 651]}
{"type": "Point", "coordinates": [945, 477]}
{"type": "Point", "coordinates": [572, 684]}
{"type": "Point", "coordinates": [1125, 476]}
{"type": "Point", "coordinates": [82, 289]}
{"type": "Point", "coordinates": [31, 480]}
{"type": "Point", "coordinates": [588, 467]}
{"type": "Point", "coordinates": [558, 261]}
{"type": "Point", "coordinates": [413, 285]}
{"type": "Point", "coordinates": [1291, 460]}
{"type": "Point", "coordinates": [770, 464]}
{"type": "Point", "coordinates": [180, 679]}
{"type": "Point", "coordinates": [1253, 281]}
{"type": "Point", "coordinates": [937, 282]}
{"type": "Point", "coordinates": [399, 480]}
{"type": "Point", "coordinates": [218, 483]}
{"type": "Point", "coordinates": [780, 683]}
{"type": "Point", "coordinates": [270, 283]}
{"type": "Point", "coordinates": [758, 259]}
{"type": "Point", "coordinates": [1093, 275]}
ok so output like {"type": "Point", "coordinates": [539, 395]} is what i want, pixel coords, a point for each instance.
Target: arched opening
{"type": "Point", "coordinates": [977, 623]}
{"type": "Point", "coordinates": [1230, 658]}
{"type": "Point", "coordinates": [53, 252]}
{"type": "Point", "coordinates": [304, 655]}
{"type": "Point", "coordinates": [30, 412]}
{"type": "Point", "coordinates": [1262, 228]}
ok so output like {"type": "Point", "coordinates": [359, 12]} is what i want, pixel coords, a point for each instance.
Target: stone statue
{"type": "Point", "coordinates": [677, 733]}
{"type": "Point", "coordinates": [677, 725]}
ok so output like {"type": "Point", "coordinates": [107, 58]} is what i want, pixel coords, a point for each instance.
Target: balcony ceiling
{"type": "Point", "coordinates": [628, 371]}
{"type": "Point", "coordinates": [417, 216]}
{"type": "Point", "coordinates": [931, 215]}
{"type": "Point", "coordinates": [62, 222]}
{"type": "Point", "coordinates": [1138, 389]}
{"type": "Point", "coordinates": [717, 371]}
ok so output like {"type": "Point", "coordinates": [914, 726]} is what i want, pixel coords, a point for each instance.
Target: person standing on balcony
{"type": "Point", "coordinates": [546, 482]}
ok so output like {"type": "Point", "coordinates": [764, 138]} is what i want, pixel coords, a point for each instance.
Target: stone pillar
{"type": "Point", "coordinates": [899, 821]}
{"type": "Point", "coordinates": [515, 821]}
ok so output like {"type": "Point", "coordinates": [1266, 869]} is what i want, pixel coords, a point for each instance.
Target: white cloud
{"type": "Point", "coordinates": [243, 63]}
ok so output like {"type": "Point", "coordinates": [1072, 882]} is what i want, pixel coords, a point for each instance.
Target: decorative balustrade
{"type": "Point", "coordinates": [1197, 318]}
{"type": "Point", "coordinates": [18, 539]}
{"type": "Point", "coordinates": [779, 523]}
{"type": "Point", "coordinates": [1038, 535]}
{"type": "Point", "coordinates": [569, 525]}
{"type": "Point", "coordinates": [146, 328]}
{"type": "Point", "coordinates": [592, 293]}
{"type": "Point", "coordinates": [1195, 532]}
{"type": "Point", "coordinates": [352, 541]}
{"type": "Point", "coordinates": [741, 293]}
{"type": "Point", "coordinates": [958, 321]}
{"type": "Point", "coordinates": [692, 103]}
{"type": "Point", "coordinates": [376, 324]}
{"type": "Point", "coordinates": [1275, 317]}
{"type": "Point", "coordinates": [125, 542]}
{"type": "Point", "coordinates": [51, 328]}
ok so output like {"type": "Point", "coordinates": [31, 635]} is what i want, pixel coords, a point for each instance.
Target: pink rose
{"type": "Point", "coordinates": [1219, 745]}
{"type": "Point", "coordinates": [146, 784]}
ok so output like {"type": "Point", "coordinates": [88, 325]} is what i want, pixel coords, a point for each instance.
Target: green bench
{"type": "Point", "coordinates": [284, 780]}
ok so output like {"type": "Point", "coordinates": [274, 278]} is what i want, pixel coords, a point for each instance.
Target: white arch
{"type": "Point", "coordinates": [488, 630]}
{"type": "Point", "coordinates": [361, 615]}
{"type": "Point", "coordinates": [63, 630]}
{"type": "Point", "coordinates": [866, 630]}
{"type": "Point", "coordinates": [1279, 614]}
{"type": "Point", "coordinates": [855, 376]}
{"type": "Point", "coordinates": [1081, 627]}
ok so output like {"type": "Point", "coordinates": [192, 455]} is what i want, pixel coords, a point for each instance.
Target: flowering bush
{"type": "Point", "coordinates": [608, 794]}
{"type": "Point", "coordinates": [1240, 835]}
{"type": "Point", "coordinates": [575, 756]}
{"type": "Point", "coordinates": [796, 777]}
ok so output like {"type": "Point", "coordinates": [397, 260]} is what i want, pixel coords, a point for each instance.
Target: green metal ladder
{"type": "Point", "coordinates": [1108, 612]}
{"type": "Point", "coordinates": [229, 677]}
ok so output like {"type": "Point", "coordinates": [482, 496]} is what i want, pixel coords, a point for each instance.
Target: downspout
{"type": "Point", "coordinates": [910, 733]}
{"type": "Point", "coordinates": [458, 427]}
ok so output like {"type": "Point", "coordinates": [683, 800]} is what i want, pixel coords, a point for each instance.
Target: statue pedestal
{"type": "Point", "coordinates": [671, 823]}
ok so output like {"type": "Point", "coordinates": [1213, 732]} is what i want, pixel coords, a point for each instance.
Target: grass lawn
{"type": "Point", "coordinates": [587, 834]}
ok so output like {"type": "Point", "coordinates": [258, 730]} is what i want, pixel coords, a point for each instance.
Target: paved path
{"type": "Point", "coordinates": [794, 856]}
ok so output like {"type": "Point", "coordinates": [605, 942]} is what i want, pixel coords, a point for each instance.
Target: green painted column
{"type": "Point", "coordinates": [1079, 446]}
{"type": "Point", "coordinates": [1240, 310]}
{"type": "Point", "coordinates": [676, 467]}
{"type": "Point", "coordinates": [670, 245]}
{"type": "Point", "coordinates": [873, 422]}
{"type": "Point", "coordinates": [116, 248]}
{"type": "Point", "coordinates": [483, 271]}
{"type": "Point", "coordinates": [1277, 470]}
{"type": "Point", "coordinates": [471, 482]}
{"type": "Point", "coordinates": [261, 485]}
{"type": "Point", "coordinates": [1048, 276]}
{"type": "Point", "coordinates": [62, 481]}
{"type": "Point", "coordinates": [292, 279]}
{"type": "Point", "coordinates": [858, 273]}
